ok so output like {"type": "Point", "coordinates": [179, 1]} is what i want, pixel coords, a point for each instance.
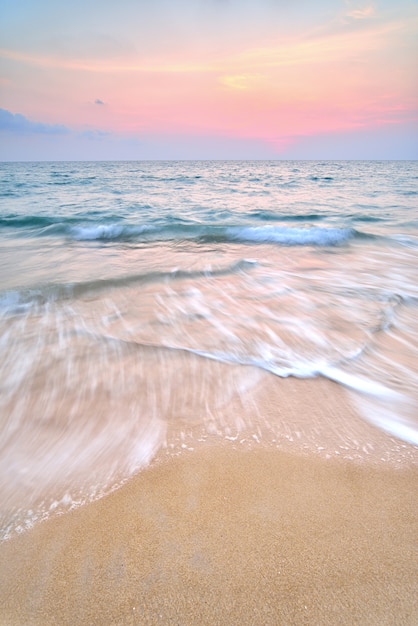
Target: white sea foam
{"type": "Point", "coordinates": [282, 235]}
{"type": "Point", "coordinates": [109, 231]}
{"type": "Point", "coordinates": [359, 383]}
{"type": "Point", "coordinates": [292, 236]}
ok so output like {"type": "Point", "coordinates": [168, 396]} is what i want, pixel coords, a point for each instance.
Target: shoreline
{"type": "Point", "coordinates": [249, 408]}
{"type": "Point", "coordinates": [224, 536]}
{"type": "Point", "coordinates": [245, 518]}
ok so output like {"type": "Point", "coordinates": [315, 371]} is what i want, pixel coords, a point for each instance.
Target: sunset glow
{"type": "Point", "coordinates": [260, 77]}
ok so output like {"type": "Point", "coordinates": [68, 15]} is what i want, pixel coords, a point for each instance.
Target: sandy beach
{"type": "Point", "coordinates": [231, 533]}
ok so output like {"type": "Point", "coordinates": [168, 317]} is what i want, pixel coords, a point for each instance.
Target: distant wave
{"type": "Point", "coordinates": [270, 216]}
{"type": "Point", "coordinates": [243, 234]}
{"type": "Point", "coordinates": [292, 236]}
{"type": "Point", "coordinates": [321, 178]}
{"type": "Point", "coordinates": [111, 232]}
{"type": "Point", "coordinates": [26, 221]}
{"type": "Point", "coordinates": [113, 229]}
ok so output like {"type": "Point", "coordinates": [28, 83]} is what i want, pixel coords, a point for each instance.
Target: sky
{"type": "Point", "coordinates": [208, 79]}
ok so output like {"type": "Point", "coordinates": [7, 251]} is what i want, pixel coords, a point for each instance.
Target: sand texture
{"type": "Point", "coordinates": [226, 536]}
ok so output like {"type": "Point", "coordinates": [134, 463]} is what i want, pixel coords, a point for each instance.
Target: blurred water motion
{"type": "Point", "coordinates": [140, 299]}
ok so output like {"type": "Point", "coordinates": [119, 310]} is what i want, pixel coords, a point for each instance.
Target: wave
{"type": "Point", "coordinates": [14, 302]}
{"type": "Point", "coordinates": [111, 232]}
{"type": "Point", "coordinates": [270, 216]}
{"type": "Point", "coordinates": [114, 229]}
{"type": "Point", "coordinates": [282, 235]}
{"type": "Point", "coordinates": [313, 236]}
{"type": "Point", "coordinates": [26, 221]}
{"type": "Point", "coordinates": [403, 240]}
{"type": "Point", "coordinates": [391, 410]}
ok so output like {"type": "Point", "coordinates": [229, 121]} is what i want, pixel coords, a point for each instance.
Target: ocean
{"type": "Point", "coordinates": [138, 300]}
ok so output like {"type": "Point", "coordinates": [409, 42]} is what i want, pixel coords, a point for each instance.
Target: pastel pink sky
{"type": "Point", "coordinates": [208, 79]}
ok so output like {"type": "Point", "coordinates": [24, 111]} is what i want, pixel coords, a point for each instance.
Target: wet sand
{"type": "Point", "coordinates": [229, 534]}
{"type": "Point", "coordinates": [225, 537]}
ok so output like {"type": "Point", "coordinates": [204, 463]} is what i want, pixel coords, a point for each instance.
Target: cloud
{"type": "Point", "coordinates": [95, 135]}
{"type": "Point", "coordinates": [17, 123]}
{"type": "Point", "coordinates": [238, 82]}
{"type": "Point", "coordinates": [360, 11]}
{"type": "Point", "coordinates": [98, 101]}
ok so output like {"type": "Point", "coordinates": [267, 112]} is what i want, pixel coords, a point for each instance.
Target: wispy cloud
{"type": "Point", "coordinates": [157, 65]}
{"type": "Point", "coordinates": [99, 102]}
{"type": "Point", "coordinates": [352, 30]}
{"type": "Point", "coordinates": [360, 10]}
{"type": "Point", "coordinates": [239, 82]}
{"type": "Point", "coordinates": [17, 123]}
{"type": "Point", "coordinates": [95, 134]}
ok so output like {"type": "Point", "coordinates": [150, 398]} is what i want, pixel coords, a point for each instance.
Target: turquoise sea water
{"type": "Point", "coordinates": [135, 294]}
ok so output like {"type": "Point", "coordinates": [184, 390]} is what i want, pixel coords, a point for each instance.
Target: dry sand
{"type": "Point", "coordinates": [222, 535]}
